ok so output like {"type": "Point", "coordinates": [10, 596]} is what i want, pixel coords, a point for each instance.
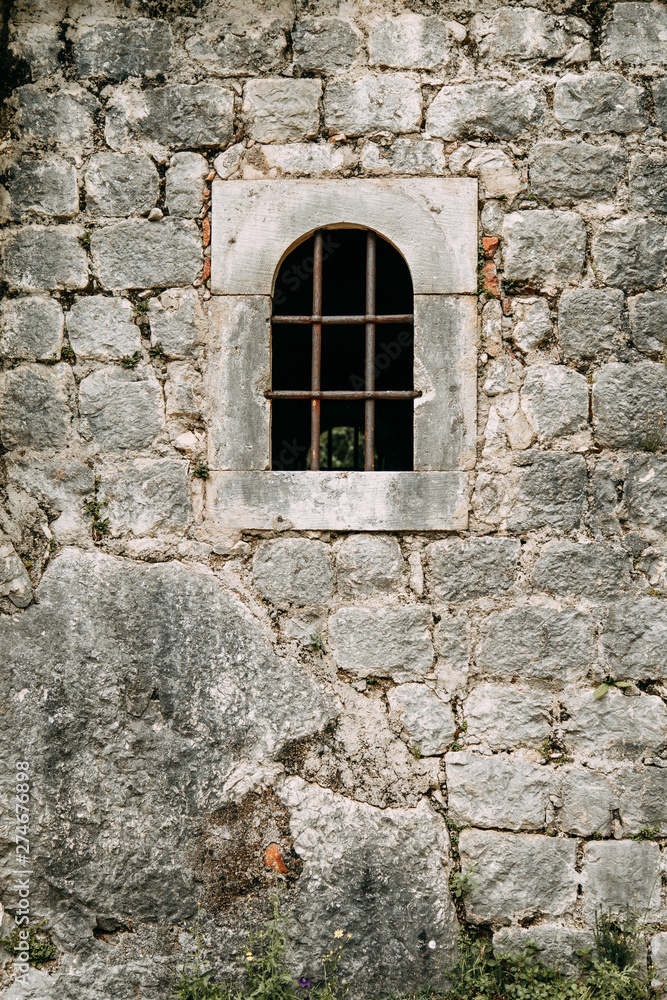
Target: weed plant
{"type": "Point", "coordinates": [40, 947]}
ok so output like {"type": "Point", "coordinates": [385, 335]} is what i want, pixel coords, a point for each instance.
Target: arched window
{"type": "Point", "coordinates": [342, 354]}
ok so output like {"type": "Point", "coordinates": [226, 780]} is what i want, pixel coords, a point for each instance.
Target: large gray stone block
{"type": "Point", "coordinates": [646, 492]}
{"type": "Point", "coordinates": [648, 182]}
{"type": "Point", "coordinates": [599, 102]}
{"type": "Point", "coordinates": [535, 642]}
{"type": "Point", "coordinates": [557, 947]}
{"type": "Point", "coordinates": [119, 184]}
{"type": "Point", "coordinates": [641, 796]}
{"type": "Point", "coordinates": [621, 874]}
{"type": "Point", "coordinates": [175, 318]}
{"type": "Point", "coordinates": [147, 494]}
{"type": "Point", "coordinates": [409, 41]}
{"type": "Point", "coordinates": [618, 726]}
{"type": "Point", "coordinates": [116, 49]}
{"type": "Point", "coordinates": [498, 791]}
{"type": "Point", "coordinates": [634, 639]}
{"type": "Point", "coordinates": [513, 33]}
{"type": "Point", "coordinates": [586, 802]}
{"type": "Point", "coordinates": [505, 716]}
{"type": "Point", "coordinates": [141, 254]}
{"type": "Point", "coordinates": [38, 259]}
{"type": "Point", "coordinates": [44, 186]}
{"type": "Point", "coordinates": [564, 172]}
{"type": "Point", "coordinates": [229, 53]}
{"type": "Point", "coordinates": [597, 571]}
{"type": "Point", "coordinates": [635, 35]}
{"type": "Point", "coordinates": [471, 110]}
{"type": "Point", "coordinates": [628, 403]}
{"type": "Point", "coordinates": [391, 102]}
{"type": "Point", "coordinates": [543, 247]}
{"type": "Point", "coordinates": [185, 184]}
{"type": "Point", "coordinates": [59, 485]}
{"type": "Point", "coordinates": [386, 641]}
{"type": "Point", "coordinates": [35, 411]}
{"type": "Point", "coordinates": [293, 571]}
{"type": "Point", "coordinates": [461, 569]}
{"type": "Point", "coordinates": [648, 322]}
{"type": "Point", "coordinates": [31, 328]}
{"type": "Point", "coordinates": [65, 117]}
{"type": "Point", "coordinates": [555, 401]}
{"type": "Point", "coordinates": [178, 115]}
{"type": "Point", "coordinates": [427, 720]}
{"type": "Point", "coordinates": [366, 564]}
{"type": "Point", "coordinates": [101, 327]}
{"type": "Point", "coordinates": [550, 491]}
{"type": "Point", "coordinates": [324, 44]}
{"type": "Point", "coordinates": [519, 876]}
{"type": "Point", "coordinates": [120, 409]}
{"type": "Point", "coordinates": [631, 253]}
{"type": "Point", "coordinates": [588, 321]}
{"type": "Point", "coordinates": [282, 110]}
{"type": "Point", "coordinates": [14, 579]}
{"type": "Point", "coordinates": [40, 45]}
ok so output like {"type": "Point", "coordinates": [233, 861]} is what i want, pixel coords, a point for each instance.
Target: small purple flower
{"type": "Point", "coordinates": [304, 983]}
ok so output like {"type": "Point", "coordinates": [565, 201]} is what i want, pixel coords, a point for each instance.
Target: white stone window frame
{"type": "Point", "coordinates": [255, 224]}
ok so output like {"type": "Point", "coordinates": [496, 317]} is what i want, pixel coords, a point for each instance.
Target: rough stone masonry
{"type": "Point", "coordinates": [377, 710]}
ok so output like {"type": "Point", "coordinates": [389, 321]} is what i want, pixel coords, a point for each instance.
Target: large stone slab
{"type": "Point", "coordinates": [293, 571]}
{"type": "Point", "coordinates": [543, 247]}
{"type": "Point", "coordinates": [36, 410]}
{"type": "Point", "coordinates": [257, 49]}
{"type": "Point", "coordinates": [60, 485]}
{"type": "Point", "coordinates": [513, 33]}
{"type": "Point", "coordinates": [278, 109]}
{"type": "Point", "coordinates": [120, 184]}
{"type": "Point", "coordinates": [387, 641]}
{"type": "Point", "coordinates": [555, 401]}
{"type": "Point", "coordinates": [31, 328]}
{"type": "Point", "coordinates": [147, 494]}
{"type": "Point", "coordinates": [100, 327]}
{"type": "Point", "coordinates": [505, 716]}
{"type": "Point", "coordinates": [390, 101]}
{"type": "Point", "coordinates": [464, 569]}
{"type": "Point", "coordinates": [368, 564]}
{"type": "Point", "coordinates": [634, 639]}
{"type": "Point", "coordinates": [428, 721]}
{"type": "Point", "coordinates": [636, 34]}
{"type": "Point", "coordinates": [324, 44]}
{"type": "Point", "coordinates": [116, 49]}
{"type": "Point", "coordinates": [646, 492]}
{"type": "Point", "coordinates": [617, 726]}
{"type": "Point", "coordinates": [648, 183]}
{"type": "Point", "coordinates": [631, 253]}
{"type": "Point", "coordinates": [597, 571]}
{"type": "Point", "coordinates": [557, 947]}
{"type": "Point", "coordinates": [498, 110]}
{"type": "Point", "coordinates": [564, 172]}
{"type": "Point", "coordinates": [621, 874]}
{"type": "Point", "coordinates": [141, 254]}
{"type": "Point", "coordinates": [177, 322]}
{"type": "Point", "coordinates": [628, 403]}
{"type": "Point", "coordinates": [550, 490]}
{"type": "Point", "coordinates": [120, 409]}
{"type": "Point", "coordinates": [64, 117]}
{"type": "Point", "coordinates": [589, 320]}
{"type": "Point", "coordinates": [648, 320]}
{"type": "Point", "coordinates": [36, 258]}
{"type": "Point", "coordinates": [535, 642]}
{"type": "Point", "coordinates": [43, 186]}
{"type": "Point", "coordinates": [599, 102]}
{"type": "Point", "coordinates": [498, 792]}
{"type": "Point", "coordinates": [409, 41]}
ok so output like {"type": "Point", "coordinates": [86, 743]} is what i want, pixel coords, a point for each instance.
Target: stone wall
{"type": "Point", "coordinates": [386, 709]}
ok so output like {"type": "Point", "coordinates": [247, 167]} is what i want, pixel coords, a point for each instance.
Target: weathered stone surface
{"type": "Point", "coordinates": [550, 490]}
{"type": "Point", "coordinates": [120, 184]}
{"type": "Point", "coordinates": [385, 641]}
{"type": "Point", "coordinates": [492, 218]}
{"type": "Point", "coordinates": [631, 253]}
{"type": "Point", "coordinates": [607, 485]}
{"type": "Point", "coordinates": [452, 645]}
{"type": "Point", "coordinates": [659, 956]}
{"type": "Point", "coordinates": [535, 642]}
{"type": "Point", "coordinates": [65, 117]}
{"type": "Point", "coordinates": [185, 184]}
{"type": "Point", "coordinates": [634, 639]}
{"type": "Point", "coordinates": [100, 327]}
{"type": "Point", "coordinates": [297, 159]}
{"type": "Point", "coordinates": [498, 176]}
{"type": "Point", "coordinates": [461, 569]}
{"type": "Point", "coordinates": [502, 717]}
{"type": "Point", "coordinates": [588, 320]}
{"type": "Point", "coordinates": [557, 947]}
{"type": "Point", "coordinates": [548, 883]}
{"type": "Point", "coordinates": [543, 247]}
{"type": "Point", "coordinates": [35, 411]}
{"type": "Point", "coordinates": [293, 571]}
{"type": "Point", "coordinates": [228, 53]}
{"type": "Point", "coordinates": [59, 485]}
{"type": "Point", "coordinates": [636, 34]}
{"type": "Point", "coordinates": [324, 44]}
{"type": "Point", "coordinates": [173, 116]}
{"type": "Point", "coordinates": [597, 571]}
{"type": "Point", "coordinates": [281, 110]}
{"type": "Point", "coordinates": [45, 186]}
{"type": "Point", "coordinates": [428, 721]}
{"type": "Point", "coordinates": [587, 800]}
{"type": "Point", "coordinates": [120, 409]}
{"type": "Point", "coordinates": [147, 495]}
{"type": "Point", "coordinates": [618, 726]}
{"type": "Point", "coordinates": [498, 791]}
{"type": "Point", "coordinates": [471, 110]}
{"type": "Point", "coordinates": [532, 322]}
{"type": "Point", "coordinates": [40, 259]}
{"type": "Point", "coordinates": [660, 103]}
{"type": "Point", "coordinates": [174, 318]}
{"type": "Point", "coordinates": [599, 102]}
{"type": "Point", "coordinates": [555, 401]}
{"type": "Point", "coordinates": [116, 49]}
{"type": "Point", "coordinates": [405, 156]}
{"type": "Point", "coordinates": [366, 564]}
{"type": "Point", "coordinates": [621, 874]}
{"type": "Point", "coordinates": [41, 45]}
{"type": "Point", "coordinates": [646, 492]}
{"type": "Point", "coordinates": [31, 328]}
{"type": "Point", "coordinates": [628, 401]}
{"type": "Point", "coordinates": [349, 850]}
{"type": "Point", "coordinates": [391, 101]}
{"type": "Point", "coordinates": [141, 254]}
{"type": "Point", "coordinates": [564, 172]}
{"type": "Point", "coordinates": [648, 181]}
{"type": "Point", "coordinates": [648, 322]}
{"type": "Point", "coordinates": [183, 391]}
{"type": "Point", "coordinates": [512, 33]}
{"type": "Point", "coordinates": [409, 41]}
{"type": "Point", "coordinates": [116, 632]}
{"type": "Point", "coordinates": [14, 579]}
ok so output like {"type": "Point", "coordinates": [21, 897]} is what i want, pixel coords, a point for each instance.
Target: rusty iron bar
{"type": "Point", "coordinates": [371, 262]}
{"type": "Point", "coordinates": [345, 320]}
{"type": "Point", "coordinates": [342, 394]}
{"type": "Point", "coordinates": [316, 358]}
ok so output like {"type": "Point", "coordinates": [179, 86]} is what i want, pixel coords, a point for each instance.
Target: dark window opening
{"type": "Point", "coordinates": [342, 356]}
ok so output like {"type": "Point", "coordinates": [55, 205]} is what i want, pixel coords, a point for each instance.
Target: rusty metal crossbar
{"type": "Point", "coordinates": [369, 320]}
